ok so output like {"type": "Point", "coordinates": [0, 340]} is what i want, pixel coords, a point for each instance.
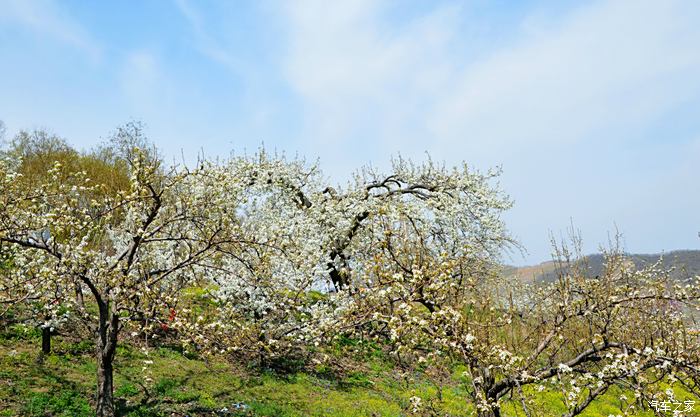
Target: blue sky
{"type": "Point", "coordinates": [591, 108]}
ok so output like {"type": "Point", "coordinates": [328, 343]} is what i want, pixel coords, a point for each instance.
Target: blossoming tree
{"type": "Point", "coordinates": [266, 292]}
{"type": "Point", "coordinates": [31, 154]}
{"type": "Point", "coordinates": [579, 335]}
{"type": "Point", "coordinates": [131, 252]}
{"type": "Point", "coordinates": [317, 245]}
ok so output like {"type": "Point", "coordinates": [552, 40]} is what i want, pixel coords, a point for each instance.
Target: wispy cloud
{"type": "Point", "coordinates": [361, 78]}
{"type": "Point", "coordinates": [614, 65]}
{"type": "Point", "coordinates": [207, 44]}
{"type": "Point", "coordinates": [45, 17]}
{"type": "Point", "coordinates": [606, 65]}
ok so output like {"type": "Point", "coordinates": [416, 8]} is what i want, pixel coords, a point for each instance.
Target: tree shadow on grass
{"type": "Point", "coordinates": [168, 393]}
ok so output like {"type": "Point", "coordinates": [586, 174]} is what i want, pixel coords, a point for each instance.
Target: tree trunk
{"type": "Point", "coordinates": [485, 383]}
{"type": "Point", "coordinates": [105, 387]}
{"type": "Point", "coordinates": [45, 340]}
{"type": "Point", "coordinates": [106, 348]}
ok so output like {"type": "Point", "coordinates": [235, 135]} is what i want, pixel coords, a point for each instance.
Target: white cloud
{"type": "Point", "coordinates": [615, 64]}
{"type": "Point", "coordinates": [45, 17]}
{"type": "Point", "coordinates": [358, 79]}
{"type": "Point", "coordinates": [607, 65]}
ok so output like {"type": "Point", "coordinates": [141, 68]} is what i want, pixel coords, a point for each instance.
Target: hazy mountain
{"type": "Point", "coordinates": [686, 264]}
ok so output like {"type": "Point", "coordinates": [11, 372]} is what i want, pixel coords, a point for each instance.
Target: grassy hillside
{"type": "Point", "coordinates": [167, 383]}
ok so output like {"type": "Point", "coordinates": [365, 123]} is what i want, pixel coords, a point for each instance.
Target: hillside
{"type": "Point", "coordinates": [166, 383]}
{"type": "Point", "coordinates": [685, 264]}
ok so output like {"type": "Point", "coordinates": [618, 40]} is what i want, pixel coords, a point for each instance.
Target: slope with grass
{"type": "Point", "coordinates": [165, 382]}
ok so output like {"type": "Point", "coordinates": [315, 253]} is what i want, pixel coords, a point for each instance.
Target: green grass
{"type": "Point", "coordinates": [176, 385]}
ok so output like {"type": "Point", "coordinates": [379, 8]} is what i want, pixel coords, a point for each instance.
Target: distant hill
{"type": "Point", "coordinates": [685, 262]}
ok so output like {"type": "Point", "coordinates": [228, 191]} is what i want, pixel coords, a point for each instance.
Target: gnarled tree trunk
{"type": "Point", "coordinates": [106, 348]}
{"type": "Point", "coordinates": [483, 383]}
